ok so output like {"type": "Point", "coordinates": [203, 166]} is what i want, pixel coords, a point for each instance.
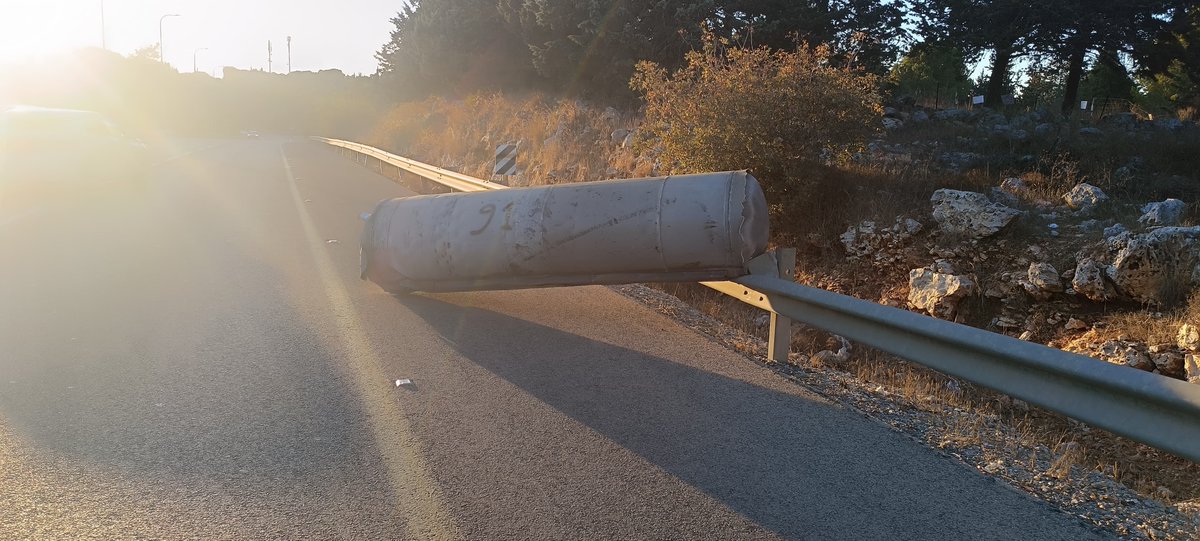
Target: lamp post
{"type": "Point", "coordinates": [194, 53]}
{"type": "Point", "coordinates": [103, 30]}
{"type": "Point", "coordinates": [161, 57]}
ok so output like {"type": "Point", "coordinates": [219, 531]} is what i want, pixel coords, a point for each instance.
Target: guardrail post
{"type": "Point", "coordinates": [779, 342]}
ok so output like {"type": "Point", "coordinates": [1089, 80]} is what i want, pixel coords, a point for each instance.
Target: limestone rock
{"type": "Point", "coordinates": [882, 243]}
{"type": "Point", "coordinates": [1084, 196]}
{"type": "Point", "coordinates": [860, 240]}
{"type": "Point", "coordinates": [1191, 367]}
{"type": "Point", "coordinates": [937, 294]}
{"type": "Point", "coordinates": [1117, 352]}
{"type": "Point", "coordinates": [1154, 266]}
{"type": "Point", "coordinates": [953, 114]}
{"type": "Point", "coordinates": [1075, 325]}
{"type": "Point", "coordinates": [618, 136]}
{"type": "Point", "coordinates": [1169, 363]}
{"type": "Point", "coordinates": [1169, 212]}
{"type": "Point", "coordinates": [1169, 124]}
{"type": "Point", "coordinates": [890, 123]}
{"type": "Point", "coordinates": [1188, 337]}
{"type": "Point", "coordinates": [829, 357]}
{"type": "Point", "coordinates": [1042, 281]}
{"type": "Point", "coordinates": [970, 213]}
{"type": "Point", "coordinates": [1090, 281]}
{"type": "Point", "coordinates": [1121, 121]}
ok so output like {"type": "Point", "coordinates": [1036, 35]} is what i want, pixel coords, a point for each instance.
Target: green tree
{"type": "Point", "coordinates": [1169, 60]}
{"type": "Point", "coordinates": [931, 71]}
{"type": "Point", "coordinates": [149, 52]}
{"type": "Point", "coordinates": [1008, 29]}
{"type": "Point", "coordinates": [1107, 78]}
{"type": "Point", "coordinates": [1085, 26]}
{"type": "Point", "coordinates": [590, 47]}
{"type": "Point", "coordinates": [1044, 87]}
{"type": "Point", "coordinates": [455, 47]}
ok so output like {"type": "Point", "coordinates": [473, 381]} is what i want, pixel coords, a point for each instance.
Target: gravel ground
{"type": "Point", "coordinates": [1040, 471]}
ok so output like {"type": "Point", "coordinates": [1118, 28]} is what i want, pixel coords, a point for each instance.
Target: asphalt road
{"type": "Point", "coordinates": [196, 358]}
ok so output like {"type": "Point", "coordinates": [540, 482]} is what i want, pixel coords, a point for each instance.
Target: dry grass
{"type": "Point", "coordinates": [1152, 327]}
{"type": "Point", "coordinates": [559, 141]}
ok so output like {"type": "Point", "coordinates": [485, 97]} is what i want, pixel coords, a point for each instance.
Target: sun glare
{"type": "Point", "coordinates": [32, 30]}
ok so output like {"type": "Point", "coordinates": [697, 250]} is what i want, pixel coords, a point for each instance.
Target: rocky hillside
{"type": "Point", "coordinates": [1111, 275]}
{"type": "Point", "coordinates": [1077, 233]}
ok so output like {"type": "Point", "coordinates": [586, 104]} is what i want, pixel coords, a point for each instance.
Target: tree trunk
{"type": "Point", "coordinates": [1077, 54]}
{"type": "Point", "coordinates": [1000, 63]}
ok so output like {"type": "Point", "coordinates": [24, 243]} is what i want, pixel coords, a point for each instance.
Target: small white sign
{"type": "Point", "coordinates": [1083, 105]}
{"type": "Point", "coordinates": [976, 100]}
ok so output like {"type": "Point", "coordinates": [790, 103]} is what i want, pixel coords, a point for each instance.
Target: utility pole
{"type": "Point", "coordinates": [103, 30]}
{"type": "Point", "coordinates": [289, 43]}
{"type": "Point", "coordinates": [269, 62]}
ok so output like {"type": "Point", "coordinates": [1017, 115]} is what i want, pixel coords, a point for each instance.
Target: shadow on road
{"type": "Point", "coordinates": [790, 463]}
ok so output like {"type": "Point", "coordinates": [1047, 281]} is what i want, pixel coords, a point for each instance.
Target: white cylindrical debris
{"type": "Point", "coordinates": [678, 228]}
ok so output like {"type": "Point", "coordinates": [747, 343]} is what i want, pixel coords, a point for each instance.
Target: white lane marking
{"type": "Point", "coordinates": [420, 499]}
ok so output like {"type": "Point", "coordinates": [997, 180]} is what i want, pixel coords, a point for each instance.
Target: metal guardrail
{"type": "Point", "coordinates": [446, 177]}
{"type": "Point", "coordinates": [1153, 409]}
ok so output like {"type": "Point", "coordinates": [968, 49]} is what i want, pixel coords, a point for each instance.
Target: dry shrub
{"type": "Point", "coordinates": [559, 141]}
{"type": "Point", "coordinates": [773, 112]}
{"type": "Point", "coordinates": [1054, 176]}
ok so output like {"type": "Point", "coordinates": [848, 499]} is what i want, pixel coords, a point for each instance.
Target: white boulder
{"type": "Point", "coordinates": [1126, 354]}
{"type": "Point", "coordinates": [1042, 281]}
{"type": "Point", "coordinates": [1169, 212]}
{"type": "Point", "coordinates": [1089, 280]}
{"type": "Point", "coordinates": [1084, 196]}
{"type": "Point", "coordinates": [1188, 337]}
{"type": "Point", "coordinates": [970, 213]}
{"type": "Point", "coordinates": [1155, 266]}
{"type": "Point", "coordinates": [937, 294]}
{"type": "Point", "coordinates": [1191, 367]}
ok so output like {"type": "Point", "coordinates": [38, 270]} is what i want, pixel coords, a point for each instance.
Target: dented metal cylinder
{"type": "Point", "coordinates": [678, 228]}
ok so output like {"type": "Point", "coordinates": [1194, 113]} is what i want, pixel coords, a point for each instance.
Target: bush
{"type": "Point", "coordinates": [776, 113]}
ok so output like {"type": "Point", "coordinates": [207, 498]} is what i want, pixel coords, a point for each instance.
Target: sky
{"type": "Point", "coordinates": [326, 34]}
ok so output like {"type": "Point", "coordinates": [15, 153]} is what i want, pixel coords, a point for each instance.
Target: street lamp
{"type": "Point", "coordinates": [161, 57]}
{"type": "Point", "coordinates": [103, 29]}
{"type": "Point", "coordinates": [194, 53]}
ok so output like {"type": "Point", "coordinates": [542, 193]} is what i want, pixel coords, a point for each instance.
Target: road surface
{"type": "Point", "coordinates": [196, 358]}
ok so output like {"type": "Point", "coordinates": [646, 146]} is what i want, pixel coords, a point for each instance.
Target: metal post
{"type": "Point", "coordinates": [104, 31]}
{"type": "Point", "coordinates": [779, 343]}
{"type": "Point", "coordinates": [289, 44]}
{"type": "Point", "coordinates": [194, 53]}
{"type": "Point", "coordinates": [161, 57]}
